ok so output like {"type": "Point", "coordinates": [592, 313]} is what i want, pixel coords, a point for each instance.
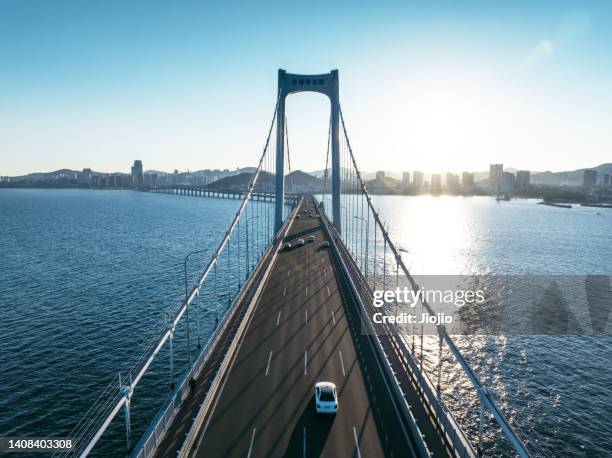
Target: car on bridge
{"type": "Point", "coordinates": [301, 242]}
{"type": "Point", "coordinates": [287, 246]}
{"type": "Point", "coordinates": [325, 244]}
{"type": "Point", "coordinates": [311, 238]}
{"type": "Point", "coordinates": [326, 397]}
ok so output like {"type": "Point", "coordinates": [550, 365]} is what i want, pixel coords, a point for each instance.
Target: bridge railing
{"type": "Point", "coordinates": [248, 235]}
{"type": "Point", "coordinates": [153, 436]}
{"type": "Point", "coordinates": [446, 421]}
{"type": "Point", "coordinates": [363, 232]}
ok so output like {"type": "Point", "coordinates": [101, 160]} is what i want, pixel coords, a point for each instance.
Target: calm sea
{"type": "Point", "coordinates": [86, 274]}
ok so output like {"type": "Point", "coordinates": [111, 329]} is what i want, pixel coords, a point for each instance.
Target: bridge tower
{"type": "Point", "coordinates": [327, 84]}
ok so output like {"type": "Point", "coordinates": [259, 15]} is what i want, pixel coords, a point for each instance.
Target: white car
{"type": "Point", "coordinates": [301, 242]}
{"type": "Point", "coordinates": [326, 397]}
{"type": "Point", "coordinates": [325, 244]}
{"type": "Point", "coordinates": [311, 238]}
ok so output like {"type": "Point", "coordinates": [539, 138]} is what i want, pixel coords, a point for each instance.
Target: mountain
{"type": "Point", "coordinates": [296, 181]}
{"type": "Point", "coordinates": [240, 182]}
{"type": "Point", "coordinates": [299, 181]}
{"type": "Point", "coordinates": [569, 178]}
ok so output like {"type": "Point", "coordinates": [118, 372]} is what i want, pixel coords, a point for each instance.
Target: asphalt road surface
{"type": "Point", "coordinates": [302, 332]}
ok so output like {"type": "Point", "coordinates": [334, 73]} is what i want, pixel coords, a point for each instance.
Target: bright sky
{"type": "Point", "coordinates": [191, 85]}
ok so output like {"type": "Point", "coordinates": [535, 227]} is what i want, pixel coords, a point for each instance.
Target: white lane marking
{"type": "Point", "coordinates": [304, 442]}
{"type": "Point", "coordinates": [305, 360]}
{"type": "Point", "coordinates": [306, 316]}
{"type": "Point", "coordinates": [278, 319]}
{"type": "Point", "coordinates": [252, 440]}
{"type": "Point", "coordinates": [306, 259]}
{"type": "Point", "coordinates": [342, 363]}
{"type": "Point", "coordinates": [333, 318]}
{"type": "Point", "coordinates": [288, 272]}
{"type": "Point", "coordinates": [324, 272]}
{"type": "Point", "coordinates": [356, 442]}
{"type": "Point", "coordinates": [307, 291]}
{"type": "Point", "coordinates": [285, 291]}
{"type": "Point", "coordinates": [269, 359]}
{"type": "Point", "coordinates": [328, 293]}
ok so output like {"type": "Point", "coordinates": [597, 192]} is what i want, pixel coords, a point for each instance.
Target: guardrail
{"type": "Point", "coordinates": [97, 419]}
{"type": "Point", "coordinates": [159, 426]}
{"type": "Point", "coordinates": [358, 186]}
{"type": "Point", "coordinates": [195, 428]}
{"type": "Point", "coordinates": [406, 411]}
{"type": "Point", "coordinates": [435, 404]}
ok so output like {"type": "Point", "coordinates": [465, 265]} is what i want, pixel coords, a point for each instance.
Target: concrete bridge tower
{"type": "Point", "coordinates": [327, 84]}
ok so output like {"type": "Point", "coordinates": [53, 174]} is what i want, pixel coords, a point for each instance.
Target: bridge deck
{"type": "Point", "coordinates": [302, 331]}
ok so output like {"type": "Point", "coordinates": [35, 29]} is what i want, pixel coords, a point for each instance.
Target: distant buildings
{"type": "Point", "coordinates": [467, 180]}
{"type": "Point", "coordinates": [507, 183]}
{"type": "Point", "coordinates": [589, 178]}
{"type": "Point", "coordinates": [522, 180]}
{"type": "Point", "coordinates": [606, 180]}
{"type": "Point", "coordinates": [84, 178]}
{"type": "Point", "coordinates": [436, 183]}
{"type": "Point", "coordinates": [495, 177]}
{"type": "Point", "coordinates": [418, 179]}
{"type": "Point", "coordinates": [452, 182]}
{"type": "Point", "coordinates": [380, 178]}
{"type": "Point", "coordinates": [137, 178]}
{"type": "Point", "coordinates": [405, 180]}
{"type": "Point", "coordinates": [137, 175]}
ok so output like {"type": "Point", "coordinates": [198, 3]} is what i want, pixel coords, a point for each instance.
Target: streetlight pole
{"type": "Point", "coordinates": [367, 223]}
{"type": "Point", "coordinates": [187, 304]}
{"type": "Point", "coordinates": [247, 242]}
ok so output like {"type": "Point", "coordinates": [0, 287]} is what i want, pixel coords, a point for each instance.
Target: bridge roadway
{"type": "Point", "coordinates": [301, 332]}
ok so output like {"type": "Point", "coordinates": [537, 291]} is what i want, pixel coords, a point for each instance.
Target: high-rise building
{"type": "Point", "coordinates": [436, 183]}
{"type": "Point", "coordinates": [380, 178]}
{"type": "Point", "coordinates": [467, 179]}
{"type": "Point", "coordinates": [84, 178]}
{"type": "Point", "coordinates": [589, 178]}
{"type": "Point", "coordinates": [606, 180]}
{"type": "Point", "coordinates": [495, 177]}
{"type": "Point", "coordinates": [452, 181]}
{"type": "Point", "coordinates": [522, 180]}
{"type": "Point", "coordinates": [417, 179]}
{"type": "Point", "coordinates": [507, 184]}
{"type": "Point", "coordinates": [137, 174]}
{"type": "Point", "coordinates": [405, 179]}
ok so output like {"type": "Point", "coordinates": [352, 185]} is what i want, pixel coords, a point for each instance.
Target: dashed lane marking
{"type": "Point", "coordinates": [269, 360]}
{"type": "Point", "coordinates": [252, 440]}
{"type": "Point", "coordinates": [356, 442]}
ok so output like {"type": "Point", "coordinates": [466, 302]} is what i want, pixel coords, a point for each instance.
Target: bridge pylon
{"type": "Point", "coordinates": [327, 84]}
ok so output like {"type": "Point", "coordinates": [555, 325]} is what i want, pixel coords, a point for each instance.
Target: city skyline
{"type": "Point", "coordinates": [498, 180]}
{"type": "Point", "coordinates": [192, 88]}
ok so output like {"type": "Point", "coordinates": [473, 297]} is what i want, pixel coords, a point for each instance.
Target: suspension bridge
{"type": "Point", "coordinates": [289, 317]}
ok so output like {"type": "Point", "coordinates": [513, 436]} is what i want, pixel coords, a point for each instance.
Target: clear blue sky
{"type": "Point", "coordinates": [191, 85]}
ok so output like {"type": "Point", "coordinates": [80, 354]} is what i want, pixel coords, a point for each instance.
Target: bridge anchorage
{"type": "Point", "coordinates": [287, 318]}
